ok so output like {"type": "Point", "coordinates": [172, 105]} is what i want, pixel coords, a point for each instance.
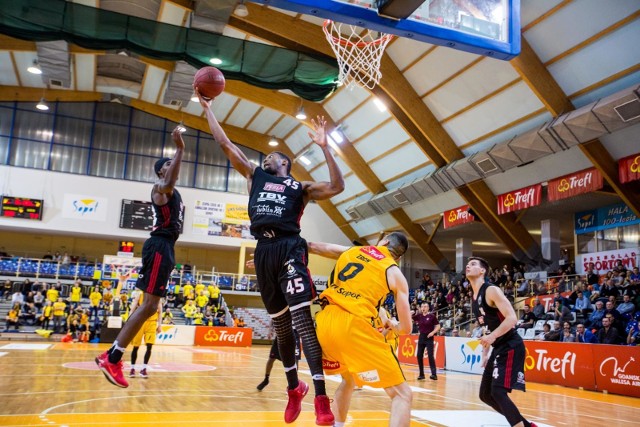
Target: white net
{"type": "Point", "coordinates": [358, 52]}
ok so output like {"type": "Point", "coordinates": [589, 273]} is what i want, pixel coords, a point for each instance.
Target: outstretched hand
{"type": "Point", "coordinates": [250, 263]}
{"type": "Point", "coordinates": [319, 137]}
{"type": "Point", "coordinates": [177, 137]}
{"type": "Point", "coordinates": [206, 104]}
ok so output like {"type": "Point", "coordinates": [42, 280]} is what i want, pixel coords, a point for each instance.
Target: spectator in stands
{"type": "Point", "coordinates": [626, 307]}
{"type": "Point", "coordinates": [241, 323]}
{"type": "Point", "coordinates": [189, 310]}
{"type": "Point", "coordinates": [25, 287]}
{"type": "Point", "coordinates": [528, 319]}
{"type": "Point", "coordinates": [46, 315]}
{"type": "Point", "coordinates": [610, 309]}
{"type": "Point", "coordinates": [477, 331]}
{"type": "Point", "coordinates": [94, 302]}
{"type": "Point", "coordinates": [566, 335]}
{"type": "Point", "coordinates": [595, 319]}
{"type": "Point", "coordinates": [167, 317]}
{"type": "Point", "coordinates": [609, 289]}
{"type": "Point", "coordinates": [214, 295]}
{"type": "Point", "coordinates": [634, 278]}
{"type": "Point", "coordinates": [582, 305]}
{"type": "Point", "coordinates": [75, 294]}
{"type": "Point", "coordinates": [13, 318]}
{"type": "Point", "coordinates": [584, 335]}
{"type": "Point", "coordinates": [561, 312]}
{"type": "Point", "coordinates": [188, 292]}
{"type": "Point", "coordinates": [17, 298]}
{"type": "Point", "coordinates": [538, 309]}
{"type": "Point", "coordinates": [170, 300]}
{"type": "Point", "coordinates": [48, 256]}
{"type": "Point", "coordinates": [65, 260]}
{"type": "Point", "coordinates": [633, 334]}
{"type": "Point", "coordinates": [592, 277]}
{"type": "Point", "coordinates": [28, 314]}
{"type": "Point", "coordinates": [38, 300]}
{"type": "Point", "coordinates": [524, 287]}
{"type": "Point", "coordinates": [198, 317]}
{"type": "Point", "coordinates": [546, 329]}
{"type": "Point", "coordinates": [608, 334]}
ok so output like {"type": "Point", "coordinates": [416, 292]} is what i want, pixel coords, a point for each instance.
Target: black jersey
{"type": "Point", "coordinates": [275, 205]}
{"type": "Point", "coordinates": [489, 316]}
{"type": "Point", "coordinates": [168, 218]}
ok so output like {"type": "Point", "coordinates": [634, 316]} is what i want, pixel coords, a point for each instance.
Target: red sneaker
{"type": "Point", "coordinates": [324, 416]}
{"type": "Point", "coordinates": [112, 371]}
{"type": "Point", "coordinates": [143, 373]}
{"type": "Point", "coordinates": [294, 406]}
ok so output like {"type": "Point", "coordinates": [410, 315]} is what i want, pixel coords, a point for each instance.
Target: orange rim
{"type": "Point", "coordinates": [345, 42]}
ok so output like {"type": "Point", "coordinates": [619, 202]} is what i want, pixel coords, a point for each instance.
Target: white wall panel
{"type": "Point", "coordinates": [152, 83]}
{"type": "Point", "coordinates": [363, 119]}
{"type": "Point", "coordinates": [243, 113]}
{"type": "Point", "coordinates": [264, 120]}
{"type": "Point", "coordinates": [403, 51]}
{"type": "Point", "coordinates": [7, 75]}
{"type": "Point", "coordinates": [399, 160]}
{"type": "Point", "coordinates": [344, 100]}
{"type": "Point", "coordinates": [436, 67]}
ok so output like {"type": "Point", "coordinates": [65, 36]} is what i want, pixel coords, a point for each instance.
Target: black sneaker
{"type": "Point", "coordinates": [420, 378]}
{"type": "Point", "coordinates": [433, 377]}
{"type": "Point", "coordinates": [263, 384]}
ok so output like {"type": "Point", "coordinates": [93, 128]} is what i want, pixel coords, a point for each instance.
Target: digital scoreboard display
{"type": "Point", "coordinates": [136, 214]}
{"type": "Point", "coordinates": [21, 207]}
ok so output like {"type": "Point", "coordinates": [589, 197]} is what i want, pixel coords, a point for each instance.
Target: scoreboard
{"type": "Point", "coordinates": [136, 214]}
{"type": "Point", "coordinates": [21, 207]}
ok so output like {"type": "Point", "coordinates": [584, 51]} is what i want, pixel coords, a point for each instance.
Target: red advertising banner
{"type": "Point", "coordinates": [457, 216]}
{"type": "Point", "coordinates": [223, 337]}
{"type": "Point", "coordinates": [520, 199]}
{"type": "Point", "coordinates": [564, 364]}
{"type": "Point", "coordinates": [629, 168]}
{"type": "Point", "coordinates": [546, 300]}
{"type": "Point", "coordinates": [576, 183]}
{"type": "Point", "coordinates": [408, 351]}
{"type": "Point", "coordinates": [617, 369]}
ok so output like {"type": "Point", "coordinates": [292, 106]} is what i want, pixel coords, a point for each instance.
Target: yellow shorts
{"type": "Point", "coordinates": [350, 344]}
{"type": "Point", "coordinates": [148, 331]}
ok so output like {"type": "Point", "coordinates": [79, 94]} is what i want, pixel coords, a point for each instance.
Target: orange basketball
{"type": "Point", "coordinates": [209, 81]}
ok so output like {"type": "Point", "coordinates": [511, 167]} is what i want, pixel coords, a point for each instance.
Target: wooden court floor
{"type": "Point", "coordinates": [56, 384]}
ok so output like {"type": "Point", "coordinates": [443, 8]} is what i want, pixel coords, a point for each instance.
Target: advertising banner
{"type": "Point", "coordinates": [617, 369]}
{"type": "Point", "coordinates": [176, 335]}
{"type": "Point", "coordinates": [457, 216]}
{"type": "Point", "coordinates": [629, 168]}
{"type": "Point", "coordinates": [611, 216]}
{"type": "Point", "coordinates": [408, 351]}
{"type": "Point", "coordinates": [546, 300]}
{"type": "Point", "coordinates": [566, 364]}
{"type": "Point", "coordinates": [519, 199]}
{"type": "Point", "coordinates": [221, 219]}
{"type": "Point", "coordinates": [576, 183]}
{"type": "Point", "coordinates": [463, 355]}
{"type": "Point", "coordinates": [223, 337]}
{"type": "Point", "coordinates": [605, 261]}
{"type": "Point", "coordinates": [86, 208]}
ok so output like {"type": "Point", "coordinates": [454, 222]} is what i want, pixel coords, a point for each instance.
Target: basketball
{"type": "Point", "coordinates": [209, 81]}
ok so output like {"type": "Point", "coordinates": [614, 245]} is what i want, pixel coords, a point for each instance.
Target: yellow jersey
{"type": "Point", "coordinates": [358, 282]}
{"type": "Point", "coordinates": [201, 301]}
{"type": "Point", "coordinates": [197, 318]}
{"type": "Point", "coordinates": [214, 292]}
{"type": "Point", "coordinates": [95, 298]}
{"type": "Point", "coordinates": [52, 295]}
{"type": "Point", "coordinates": [58, 308]}
{"type": "Point", "coordinates": [199, 287]}
{"type": "Point", "coordinates": [76, 294]}
{"type": "Point", "coordinates": [187, 291]}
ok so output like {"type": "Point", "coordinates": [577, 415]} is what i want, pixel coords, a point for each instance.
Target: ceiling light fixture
{"type": "Point", "coordinates": [273, 142]}
{"type": "Point", "coordinates": [194, 98]}
{"type": "Point", "coordinates": [216, 61]}
{"type": "Point", "coordinates": [42, 105]}
{"type": "Point", "coordinates": [379, 104]}
{"type": "Point", "coordinates": [241, 10]}
{"type": "Point", "coordinates": [337, 136]}
{"type": "Point", "coordinates": [181, 127]}
{"type": "Point", "coordinates": [304, 160]}
{"type": "Point", "coordinates": [35, 68]}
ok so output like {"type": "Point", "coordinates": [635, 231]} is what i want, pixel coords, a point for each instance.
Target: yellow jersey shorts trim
{"type": "Point", "coordinates": [351, 345]}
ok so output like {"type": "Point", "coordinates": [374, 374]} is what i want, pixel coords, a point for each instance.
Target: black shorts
{"type": "Point", "coordinates": [283, 277]}
{"type": "Point", "coordinates": [158, 260]}
{"type": "Point", "coordinates": [275, 353]}
{"type": "Point", "coordinates": [505, 367]}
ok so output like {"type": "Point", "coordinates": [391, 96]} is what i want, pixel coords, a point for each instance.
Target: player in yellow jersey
{"type": "Point", "coordinates": [148, 331]}
{"type": "Point", "coordinates": [388, 332]}
{"type": "Point", "coordinates": [346, 326]}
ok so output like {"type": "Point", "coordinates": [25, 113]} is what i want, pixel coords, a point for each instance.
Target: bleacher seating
{"type": "Point", "coordinates": [256, 318]}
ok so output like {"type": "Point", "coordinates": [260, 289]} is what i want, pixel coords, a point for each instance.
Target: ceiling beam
{"type": "Point", "coordinates": [403, 102]}
{"type": "Point", "coordinates": [241, 136]}
{"type": "Point", "coordinates": [544, 85]}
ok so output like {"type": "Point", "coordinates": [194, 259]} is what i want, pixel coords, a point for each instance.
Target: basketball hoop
{"type": "Point", "coordinates": [358, 55]}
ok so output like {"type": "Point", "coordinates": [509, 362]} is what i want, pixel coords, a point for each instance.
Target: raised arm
{"type": "Point", "coordinates": [327, 250]}
{"type": "Point", "coordinates": [323, 190]}
{"type": "Point", "coordinates": [400, 288]}
{"type": "Point", "coordinates": [168, 182]}
{"type": "Point", "coordinates": [238, 160]}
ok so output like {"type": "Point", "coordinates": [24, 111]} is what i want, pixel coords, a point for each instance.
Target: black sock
{"type": "Point", "coordinates": [292, 378]}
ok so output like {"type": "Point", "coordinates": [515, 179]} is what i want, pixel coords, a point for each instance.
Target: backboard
{"type": "Point", "coordinates": [484, 27]}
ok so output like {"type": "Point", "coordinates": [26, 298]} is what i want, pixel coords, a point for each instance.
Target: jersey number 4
{"type": "Point", "coordinates": [295, 286]}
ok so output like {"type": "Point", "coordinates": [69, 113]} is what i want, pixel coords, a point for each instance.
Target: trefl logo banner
{"type": "Point", "coordinates": [576, 183]}
{"type": "Point", "coordinates": [629, 168]}
{"type": "Point", "coordinates": [457, 216]}
{"type": "Point", "coordinates": [520, 199]}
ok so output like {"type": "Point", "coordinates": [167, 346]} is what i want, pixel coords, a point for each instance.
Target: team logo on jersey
{"type": "Point", "coordinates": [520, 379]}
{"type": "Point", "coordinates": [271, 197]}
{"type": "Point", "coordinates": [278, 188]}
{"type": "Point", "coordinates": [328, 364]}
{"type": "Point", "coordinates": [373, 252]}
{"type": "Point", "coordinates": [291, 271]}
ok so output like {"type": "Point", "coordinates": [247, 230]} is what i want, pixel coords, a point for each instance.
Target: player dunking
{"type": "Point", "coordinates": [157, 259]}
{"type": "Point", "coordinates": [276, 203]}
{"type": "Point", "coordinates": [504, 370]}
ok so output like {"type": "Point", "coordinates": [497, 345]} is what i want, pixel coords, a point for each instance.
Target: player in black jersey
{"type": "Point", "coordinates": [157, 258]}
{"type": "Point", "coordinates": [276, 203]}
{"type": "Point", "coordinates": [504, 370]}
